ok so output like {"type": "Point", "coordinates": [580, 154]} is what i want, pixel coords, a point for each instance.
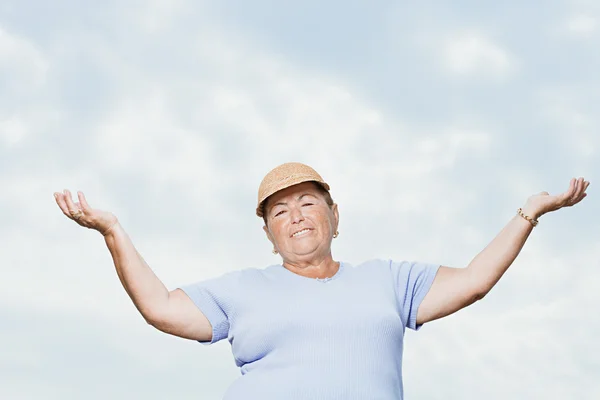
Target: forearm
{"type": "Point", "coordinates": [491, 263]}
{"type": "Point", "coordinates": [147, 292]}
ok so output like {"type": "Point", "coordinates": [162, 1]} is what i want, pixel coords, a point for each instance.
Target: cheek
{"type": "Point", "coordinates": [324, 219]}
{"type": "Point", "coordinates": [277, 230]}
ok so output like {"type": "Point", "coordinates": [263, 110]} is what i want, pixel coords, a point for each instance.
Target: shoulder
{"type": "Point", "coordinates": [374, 264]}
{"type": "Point", "coordinates": [232, 278]}
{"type": "Point", "coordinates": [369, 269]}
{"type": "Point", "coordinates": [253, 276]}
{"type": "Point", "coordinates": [249, 274]}
{"type": "Point", "coordinates": [394, 267]}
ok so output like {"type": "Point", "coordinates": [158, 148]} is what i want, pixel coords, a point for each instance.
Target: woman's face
{"type": "Point", "coordinates": [300, 223]}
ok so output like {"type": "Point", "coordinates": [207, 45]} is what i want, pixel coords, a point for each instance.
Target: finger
{"type": "Point", "coordinates": [572, 185]}
{"type": "Point", "coordinates": [574, 191]}
{"type": "Point", "coordinates": [84, 204]}
{"type": "Point", "coordinates": [584, 188]}
{"type": "Point", "coordinates": [566, 196]}
{"type": "Point", "coordinates": [578, 186]}
{"type": "Point", "coordinates": [580, 198]}
{"type": "Point", "coordinates": [60, 200]}
{"type": "Point", "coordinates": [579, 190]}
{"type": "Point", "coordinates": [69, 201]}
{"type": "Point", "coordinates": [586, 185]}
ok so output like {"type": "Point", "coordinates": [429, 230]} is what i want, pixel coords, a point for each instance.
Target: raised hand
{"type": "Point", "coordinates": [83, 214]}
{"type": "Point", "coordinates": [542, 203]}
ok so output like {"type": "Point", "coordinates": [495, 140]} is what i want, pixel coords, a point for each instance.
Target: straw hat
{"type": "Point", "coordinates": [284, 176]}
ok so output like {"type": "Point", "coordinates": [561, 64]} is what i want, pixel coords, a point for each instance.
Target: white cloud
{"type": "Point", "coordinates": [21, 60]}
{"type": "Point", "coordinates": [23, 73]}
{"type": "Point", "coordinates": [473, 54]}
{"type": "Point", "coordinates": [142, 136]}
{"type": "Point", "coordinates": [582, 25]}
{"type": "Point", "coordinates": [532, 316]}
{"type": "Point", "coordinates": [12, 130]}
{"type": "Point", "coordinates": [568, 111]}
{"type": "Point", "coordinates": [157, 15]}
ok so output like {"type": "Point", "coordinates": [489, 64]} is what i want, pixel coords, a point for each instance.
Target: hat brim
{"type": "Point", "coordinates": [284, 184]}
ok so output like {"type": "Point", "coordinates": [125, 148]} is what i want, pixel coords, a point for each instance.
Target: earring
{"type": "Point", "coordinates": [336, 234]}
{"type": "Point", "coordinates": [275, 251]}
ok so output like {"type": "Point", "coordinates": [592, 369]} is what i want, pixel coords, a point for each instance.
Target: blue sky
{"type": "Point", "coordinates": [432, 123]}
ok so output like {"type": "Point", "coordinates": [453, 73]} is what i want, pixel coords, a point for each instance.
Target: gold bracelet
{"type": "Point", "coordinates": [534, 222]}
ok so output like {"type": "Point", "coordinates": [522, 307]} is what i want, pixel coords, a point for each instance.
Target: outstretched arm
{"type": "Point", "coordinates": [456, 288]}
{"type": "Point", "coordinates": [171, 312]}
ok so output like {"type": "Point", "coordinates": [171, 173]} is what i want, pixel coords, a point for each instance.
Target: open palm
{"type": "Point", "coordinates": [83, 214]}
{"type": "Point", "coordinates": [543, 202]}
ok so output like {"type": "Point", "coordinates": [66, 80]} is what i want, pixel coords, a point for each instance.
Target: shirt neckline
{"type": "Point", "coordinates": [317, 280]}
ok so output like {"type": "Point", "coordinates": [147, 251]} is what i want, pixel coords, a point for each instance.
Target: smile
{"type": "Point", "coordinates": [302, 232]}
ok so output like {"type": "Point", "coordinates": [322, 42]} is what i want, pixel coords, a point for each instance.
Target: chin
{"type": "Point", "coordinates": [306, 251]}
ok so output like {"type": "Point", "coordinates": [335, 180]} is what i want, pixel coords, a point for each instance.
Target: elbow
{"type": "Point", "coordinates": [152, 318]}
{"type": "Point", "coordinates": [157, 323]}
{"type": "Point", "coordinates": [150, 321]}
{"type": "Point", "coordinates": [478, 289]}
{"type": "Point", "coordinates": [480, 294]}
{"type": "Point", "coordinates": [479, 297]}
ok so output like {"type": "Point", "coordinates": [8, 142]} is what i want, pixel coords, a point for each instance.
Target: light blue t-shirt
{"type": "Point", "coordinates": [299, 338]}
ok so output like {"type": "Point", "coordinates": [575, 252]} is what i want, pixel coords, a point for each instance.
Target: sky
{"type": "Point", "coordinates": [431, 121]}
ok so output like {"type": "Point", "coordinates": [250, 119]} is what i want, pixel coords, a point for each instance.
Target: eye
{"type": "Point", "coordinates": [279, 213]}
{"type": "Point", "coordinates": [307, 204]}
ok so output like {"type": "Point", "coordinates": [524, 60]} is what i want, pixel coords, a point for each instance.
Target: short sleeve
{"type": "Point", "coordinates": [214, 297]}
{"type": "Point", "coordinates": [412, 282]}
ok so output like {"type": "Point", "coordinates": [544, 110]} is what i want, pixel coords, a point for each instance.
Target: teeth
{"type": "Point", "coordinates": [301, 232]}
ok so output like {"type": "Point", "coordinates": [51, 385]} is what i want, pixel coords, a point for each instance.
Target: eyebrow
{"type": "Point", "coordinates": [281, 203]}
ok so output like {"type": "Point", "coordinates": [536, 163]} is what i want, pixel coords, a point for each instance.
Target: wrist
{"type": "Point", "coordinates": [529, 215]}
{"type": "Point", "coordinates": [111, 230]}
{"type": "Point", "coordinates": [532, 212]}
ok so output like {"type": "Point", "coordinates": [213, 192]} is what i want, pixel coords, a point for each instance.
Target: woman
{"type": "Point", "coordinates": [312, 327]}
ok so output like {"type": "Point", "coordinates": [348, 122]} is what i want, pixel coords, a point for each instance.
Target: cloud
{"type": "Point", "coordinates": [473, 54]}
{"type": "Point", "coordinates": [69, 355]}
{"type": "Point", "coordinates": [582, 25]}
{"type": "Point", "coordinates": [22, 61]}
{"type": "Point", "coordinates": [570, 115]}
{"type": "Point", "coordinates": [169, 117]}
{"type": "Point", "coordinates": [531, 315]}
{"type": "Point", "coordinates": [23, 72]}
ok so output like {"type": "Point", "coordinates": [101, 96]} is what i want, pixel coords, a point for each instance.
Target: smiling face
{"type": "Point", "coordinates": [301, 224]}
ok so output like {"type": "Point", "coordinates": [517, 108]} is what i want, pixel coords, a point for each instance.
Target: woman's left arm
{"type": "Point", "coordinates": [456, 288]}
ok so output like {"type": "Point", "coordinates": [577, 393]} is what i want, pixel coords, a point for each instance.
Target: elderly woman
{"type": "Point", "coordinates": [313, 327]}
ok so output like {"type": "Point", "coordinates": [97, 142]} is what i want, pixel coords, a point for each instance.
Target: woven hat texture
{"type": "Point", "coordinates": [284, 176]}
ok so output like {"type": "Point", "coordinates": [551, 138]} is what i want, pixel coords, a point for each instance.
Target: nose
{"type": "Point", "coordinates": [296, 215]}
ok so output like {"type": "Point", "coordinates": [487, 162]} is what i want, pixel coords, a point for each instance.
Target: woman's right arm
{"type": "Point", "coordinates": [171, 312]}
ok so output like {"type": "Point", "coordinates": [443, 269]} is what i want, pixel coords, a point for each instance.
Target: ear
{"type": "Point", "coordinates": [268, 235]}
{"type": "Point", "coordinates": [336, 215]}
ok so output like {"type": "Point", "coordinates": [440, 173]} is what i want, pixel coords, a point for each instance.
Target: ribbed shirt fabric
{"type": "Point", "coordinates": [301, 338]}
